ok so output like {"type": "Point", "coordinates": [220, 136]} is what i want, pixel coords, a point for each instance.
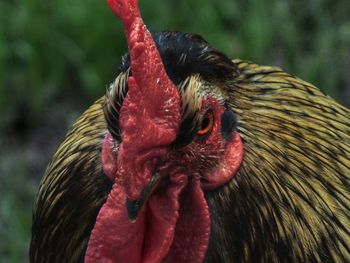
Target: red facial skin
{"type": "Point", "coordinates": [210, 157]}
{"type": "Point", "coordinates": [174, 224]}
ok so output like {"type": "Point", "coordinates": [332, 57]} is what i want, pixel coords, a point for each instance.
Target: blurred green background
{"type": "Point", "coordinates": [57, 57]}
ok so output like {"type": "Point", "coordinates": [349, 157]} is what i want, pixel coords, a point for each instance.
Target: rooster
{"type": "Point", "coordinates": [193, 157]}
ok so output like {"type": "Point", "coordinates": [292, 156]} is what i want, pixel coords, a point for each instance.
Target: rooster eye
{"type": "Point", "coordinates": [207, 124]}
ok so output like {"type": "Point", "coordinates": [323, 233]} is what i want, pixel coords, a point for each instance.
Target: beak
{"type": "Point", "coordinates": [135, 206]}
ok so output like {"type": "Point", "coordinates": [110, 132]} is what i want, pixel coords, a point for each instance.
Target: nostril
{"type": "Point", "coordinates": [171, 168]}
{"type": "Point", "coordinates": [153, 156]}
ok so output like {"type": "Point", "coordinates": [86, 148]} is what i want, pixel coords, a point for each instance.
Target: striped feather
{"type": "Point", "coordinates": [290, 201]}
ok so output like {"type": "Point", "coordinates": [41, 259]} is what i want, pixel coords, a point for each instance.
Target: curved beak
{"type": "Point", "coordinates": [135, 206]}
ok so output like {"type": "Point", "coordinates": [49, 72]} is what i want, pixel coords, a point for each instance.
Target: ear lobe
{"type": "Point", "coordinates": [227, 167]}
{"type": "Point", "coordinates": [109, 156]}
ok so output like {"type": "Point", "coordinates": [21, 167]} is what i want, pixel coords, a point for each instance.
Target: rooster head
{"type": "Point", "coordinates": [171, 137]}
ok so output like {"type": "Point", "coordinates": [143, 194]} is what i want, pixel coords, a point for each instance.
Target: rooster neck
{"type": "Point", "coordinates": [293, 186]}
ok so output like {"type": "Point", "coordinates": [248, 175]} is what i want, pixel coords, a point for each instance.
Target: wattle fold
{"type": "Point", "coordinates": [193, 227]}
{"type": "Point", "coordinates": [173, 227]}
{"type": "Point", "coordinates": [114, 238]}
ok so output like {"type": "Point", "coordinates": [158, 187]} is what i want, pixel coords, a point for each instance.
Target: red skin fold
{"type": "Point", "coordinates": [174, 224]}
{"type": "Point", "coordinates": [152, 104]}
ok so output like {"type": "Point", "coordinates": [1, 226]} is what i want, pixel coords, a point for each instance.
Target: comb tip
{"type": "Point", "coordinates": [126, 10]}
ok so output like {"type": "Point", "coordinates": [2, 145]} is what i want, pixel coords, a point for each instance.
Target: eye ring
{"type": "Point", "coordinates": [207, 124]}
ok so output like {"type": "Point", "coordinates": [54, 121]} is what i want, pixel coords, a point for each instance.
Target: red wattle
{"type": "Point", "coordinates": [162, 215]}
{"type": "Point", "coordinates": [114, 238]}
{"type": "Point", "coordinates": [167, 230]}
{"type": "Point", "coordinates": [193, 227]}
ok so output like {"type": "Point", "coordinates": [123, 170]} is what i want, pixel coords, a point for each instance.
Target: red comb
{"type": "Point", "coordinates": [150, 114]}
{"type": "Point", "coordinates": [144, 55]}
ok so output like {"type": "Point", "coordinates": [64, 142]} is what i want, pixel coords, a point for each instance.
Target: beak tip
{"type": "Point", "coordinates": [133, 209]}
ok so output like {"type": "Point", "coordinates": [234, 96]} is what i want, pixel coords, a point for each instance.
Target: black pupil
{"type": "Point", "coordinates": [205, 123]}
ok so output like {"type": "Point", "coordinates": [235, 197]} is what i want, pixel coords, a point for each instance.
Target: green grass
{"type": "Point", "coordinates": [57, 53]}
{"type": "Point", "coordinates": [17, 193]}
{"type": "Point", "coordinates": [15, 240]}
